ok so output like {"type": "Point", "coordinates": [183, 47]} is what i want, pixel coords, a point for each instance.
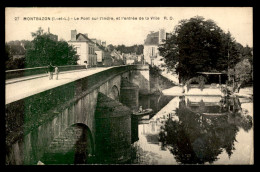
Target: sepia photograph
{"type": "Point", "coordinates": [129, 86]}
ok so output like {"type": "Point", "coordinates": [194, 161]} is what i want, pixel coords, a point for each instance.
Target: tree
{"type": "Point", "coordinates": [138, 49]}
{"type": "Point", "coordinates": [195, 46]}
{"type": "Point", "coordinates": [7, 56]}
{"type": "Point", "coordinates": [110, 47]}
{"type": "Point", "coordinates": [242, 73]}
{"type": "Point", "coordinates": [245, 52]}
{"type": "Point", "coordinates": [15, 54]}
{"type": "Point", "coordinates": [45, 50]}
{"type": "Point", "coordinates": [197, 139]}
{"type": "Point", "coordinates": [229, 53]}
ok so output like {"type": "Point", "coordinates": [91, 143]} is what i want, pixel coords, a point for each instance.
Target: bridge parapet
{"type": "Point", "coordinates": [17, 73]}
{"type": "Point", "coordinates": [76, 100]}
{"type": "Point", "coordinates": [38, 105]}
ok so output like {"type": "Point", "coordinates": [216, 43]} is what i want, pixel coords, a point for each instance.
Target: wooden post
{"type": "Point", "coordinates": [219, 79]}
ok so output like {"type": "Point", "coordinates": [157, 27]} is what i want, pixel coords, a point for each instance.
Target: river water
{"type": "Point", "coordinates": [194, 130]}
{"type": "Point", "coordinates": [182, 130]}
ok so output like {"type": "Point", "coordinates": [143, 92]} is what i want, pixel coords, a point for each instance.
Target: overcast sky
{"type": "Point", "coordinates": [238, 20]}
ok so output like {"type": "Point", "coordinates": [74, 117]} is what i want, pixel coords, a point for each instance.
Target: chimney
{"type": "Point", "coordinates": [73, 35]}
{"type": "Point", "coordinates": [104, 44]}
{"type": "Point", "coordinates": [162, 36]}
{"type": "Point", "coordinates": [99, 42]}
{"type": "Point", "coordinates": [48, 30]}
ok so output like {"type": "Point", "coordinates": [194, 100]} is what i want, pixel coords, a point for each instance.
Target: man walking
{"type": "Point", "coordinates": [50, 71]}
{"type": "Point", "coordinates": [56, 72]}
{"type": "Point", "coordinates": [86, 64]}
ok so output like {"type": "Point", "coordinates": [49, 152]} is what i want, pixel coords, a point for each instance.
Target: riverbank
{"type": "Point", "coordinates": [246, 92]}
{"type": "Point", "coordinates": [174, 91]}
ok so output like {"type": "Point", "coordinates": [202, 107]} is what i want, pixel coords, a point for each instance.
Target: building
{"type": "Point", "coordinates": [130, 58]}
{"type": "Point", "coordinates": [98, 42]}
{"type": "Point", "coordinates": [116, 55]}
{"type": "Point", "coordinates": [100, 55]}
{"type": "Point", "coordinates": [117, 58]}
{"type": "Point", "coordinates": [108, 60]}
{"type": "Point", "coordinates": [104, 44]}
{"type": "Point", "coordinates": [140, 58]}
{"type": "Point", "coordinates": [52, 36]}
{"type": "Point", "coordinates": [151, 45]}
{"type": "Point", "coordinates": [85, 48]}
{"type": "Point", "coordinates": [100, 48]}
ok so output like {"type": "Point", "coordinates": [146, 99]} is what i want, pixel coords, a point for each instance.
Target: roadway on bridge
{"type": "Point", "coordinates": [20, 88]}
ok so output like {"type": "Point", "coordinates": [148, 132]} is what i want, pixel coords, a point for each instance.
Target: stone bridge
{"type": "Point", "coordinates": [74, 118]}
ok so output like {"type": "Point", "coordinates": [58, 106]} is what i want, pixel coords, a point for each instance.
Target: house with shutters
{"type": "Point", "coordinates": [85, 48]}
{"type": "Point", "coordinates": [151, 44]}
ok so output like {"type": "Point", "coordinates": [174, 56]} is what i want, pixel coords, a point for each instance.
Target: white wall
{"type": "Point", "coordinates": [83, 51]}
{"type": "Point", "coordinates": [148, 52]}
{"type": "Point", "coordinates": [99, 56]}
{"type": "Point", "coordinates": [130, 61]}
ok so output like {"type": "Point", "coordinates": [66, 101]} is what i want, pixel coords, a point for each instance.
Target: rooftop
{"type": "Point", "coordinates": [152, 39]}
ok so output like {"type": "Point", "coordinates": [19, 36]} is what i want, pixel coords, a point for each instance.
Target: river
{"type": "Point", "coordinates": [181, 130]}
{"type": "Point", "coordinates": [194, 130]}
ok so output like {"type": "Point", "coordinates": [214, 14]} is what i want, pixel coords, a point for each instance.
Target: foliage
{"type": "Point", "coordinates": [229, 53]}
{"type": "Point", "coordinates": [243, 73]}
{"type": "Point", "coordinates": [7, 54]}
{"type": "Point", "coordinates": [110, 47]}
{"type": "Point", "coordinates": [17, 63]}
{"type": "Point", "coordinates": [154, 70]}
{"type": "Point", "coordinates": [245, 52]}
{"type": "Point", "coordinates": [46, 50]}
{"type": "Point", "coordinates": [15, 54]}
{"type": "Point", "coordinates": [197, 139]}
{"type": "Point", "coordinates": [39, 52]}
{"type": "Point", "coordinates": [201, 80]}
{"type": "Point", "coordinates": [225, 91]}
{"type": "Point", "coordinates": [138, 49]}
{"type": "Point", "coordinates": [197, 45]}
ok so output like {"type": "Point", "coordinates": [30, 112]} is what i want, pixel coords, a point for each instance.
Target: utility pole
{"type": "Point", "coordinates": [228, 61]}
{"type": "Point", "coordinates": [229, 41]}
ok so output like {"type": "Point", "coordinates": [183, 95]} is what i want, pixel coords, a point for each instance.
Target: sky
{"type": "Point", "coordinates": [121, 30]}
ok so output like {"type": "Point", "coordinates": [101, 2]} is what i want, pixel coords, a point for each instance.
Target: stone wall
{"type": "Point", "coordinates": [129, 94]}
{"type": "Point", "coordinates": [140, 77]}
{"type": "Point", "coordinates": [38, 70]}
{"type": "Point", "coordinates": [159, 82]}
{"type": "Point", "coordinates": [29, 146]}
{"type": "Point", "coordinates": [113, 131]}
{"type": "Point", "coordinates": [73, 146]}
{"type": "Point", "coordinates": [33, 122]}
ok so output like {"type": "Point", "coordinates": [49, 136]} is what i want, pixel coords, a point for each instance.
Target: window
{"type": "Point", "coordinates": [78, 50]}
{"type": "Point", "coordinates": [152, 51]}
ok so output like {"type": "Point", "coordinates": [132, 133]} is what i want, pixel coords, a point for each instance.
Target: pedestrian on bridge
{"type": "Point", "coordinates": [50, 71]}
{"type": "Point", "coordinates": [56, 72]}
{"type": "Point", "coordinates": [86, 64]}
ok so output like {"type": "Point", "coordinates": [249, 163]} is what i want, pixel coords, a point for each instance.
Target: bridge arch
{"type": "Point", "coordinates": [73, 146]}
{"type": "Point", "coordinates": [84, 134]}
{"type": "Point", "coordinates": [114, 93]}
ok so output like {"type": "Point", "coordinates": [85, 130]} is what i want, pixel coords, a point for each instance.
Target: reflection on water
{"type": "Point", "coordinates": [194, 130]}
{"type": "Point", "coordinates": [181, 130]}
